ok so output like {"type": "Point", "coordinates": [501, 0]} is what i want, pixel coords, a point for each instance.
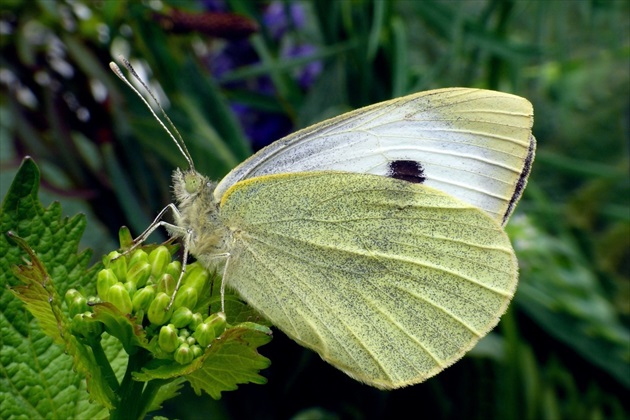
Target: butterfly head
{"type": "Point", "coordinates": [193, 182]}
{"type": "Point", "coordinates": [189, 185]}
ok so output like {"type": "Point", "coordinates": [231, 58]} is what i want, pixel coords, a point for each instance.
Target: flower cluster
{"type": "Point", "coordinates": [140, 287]}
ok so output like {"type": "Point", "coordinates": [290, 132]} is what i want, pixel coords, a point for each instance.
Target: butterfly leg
{"type": "Point", "coordinates": [157, 223]}
{"type": "Point", "coordinates": [225, 255]}
{"type": "Point", "coordinates": [227, 262]}
{"type": "Point", "coordinates": [187, 237]}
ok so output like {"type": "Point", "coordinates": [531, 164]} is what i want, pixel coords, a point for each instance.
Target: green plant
{"type": "Point", "coordinates": [134, 349]}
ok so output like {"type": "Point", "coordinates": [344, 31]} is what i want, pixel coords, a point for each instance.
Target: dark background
{"type": "Point", "coordinates": [234, 83]}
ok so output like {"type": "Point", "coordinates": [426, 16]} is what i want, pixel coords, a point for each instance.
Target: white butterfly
{"type": "Point", "coordinates": [373, 238]}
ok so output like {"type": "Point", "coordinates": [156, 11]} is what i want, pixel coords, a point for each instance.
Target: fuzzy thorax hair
{"type": "Point", "coordinates": [198, 214]}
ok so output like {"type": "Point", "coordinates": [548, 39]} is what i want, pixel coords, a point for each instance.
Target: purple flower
{"type": "Point", "coordinates": [278, 23]}
{"type": "Point", "coordinates": [263, 127]}
{"type": "Point", "coordinates": [307, 75]}
{"type": "Point", "coordinates": [234, 54]}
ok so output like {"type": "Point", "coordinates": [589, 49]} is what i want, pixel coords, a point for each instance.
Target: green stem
{"type": "Point", "coordinates": [150, 391]}
{"type": "Point", "coordinates": [103, 363]}
{"type": "Point", "coordinates": [131, 404]}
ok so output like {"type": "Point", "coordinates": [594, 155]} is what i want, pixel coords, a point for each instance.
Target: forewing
{"type": "Point", "coordinates": [473, 144]}
{"type": "Point", "coordinates": [387, 280]}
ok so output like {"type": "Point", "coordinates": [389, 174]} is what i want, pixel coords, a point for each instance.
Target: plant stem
{"type": "Point", "coordinates": [150, 391]}
{"type": "Point", "coordinates": [131, 404]}
{"type": "Point", "coordinates": [103, 363]}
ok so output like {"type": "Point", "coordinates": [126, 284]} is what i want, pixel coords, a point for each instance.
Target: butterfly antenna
{"type": "Point", "coordinates": [179, 141]}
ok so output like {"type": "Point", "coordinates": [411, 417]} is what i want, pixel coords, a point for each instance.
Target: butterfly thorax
{"type": "Point", "coordinates": [198, 214]}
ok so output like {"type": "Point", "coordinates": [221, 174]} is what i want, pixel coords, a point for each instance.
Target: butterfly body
{"type": "Point", "coordinates": [198, 216]}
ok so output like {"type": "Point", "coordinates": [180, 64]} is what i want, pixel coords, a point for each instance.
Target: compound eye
{"type": "Point", "coordinates": [192, 183]}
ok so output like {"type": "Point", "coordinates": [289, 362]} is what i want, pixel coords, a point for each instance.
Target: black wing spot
{"type": "Point", "coordinates": [407, 170]}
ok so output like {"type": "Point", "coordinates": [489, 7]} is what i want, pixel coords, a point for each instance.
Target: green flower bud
{"type": "Point", "coordinates": [117, 262]}
{"type": "Point", "coordinates": [119, 297]}
{"type": "Point", "coordinates": [181, 317]}
{"type": "Point", "coordinates": [81, 326]}
{"type": "Point", "coordinates": [204, 334]}
{"type": "Point", "coordinates": [183, 333]}
{"type": "Point", "coordinates": [197, 319]}
{"type": "Point", "coordinates": [119, 267]}
{"type": "Point", "coordinates": [143, 298]}
{"type": "Point", "coordinates": [124, 237]}
{"type": "Point", "coordinates": [183, 355]}
{"type": "Point", "coordinates": [91, 300]}
{"type": "Point", "coordinates": [159, 259]}
{"type": "Point", "coordinates": [192, 268]}
{"type": "Point", "coordinates": [105, 280]}
{"type": "Point", "coordinates": [174, 268]}
{"type": "Point", "coordinates": [78, 306]}
{"type": "Point", "coordinates": [191, 340]}
{"type": "Point", "coordinates": [139, 273]}
{"type": "Point", "coordinates": [197, 278]}
{"type": "Point", "coordinates": [217, 322]}
{"type": "Point", "coordinates": [197, 351]}
{"type": "Point", "coordinates": [180, 340]}
{"type": "Point", "coordinates": [71, 294]}
{"type": "Point", "coordinates": [157, 312]}
{"type": "Point", "coordinates": [167, 338]}
{"type": "Point", "coordinates": [138, 257]}
{"type": "Point", "coordinates": [107, 259]}
{"type": "Point", "coordinates": [166, 284]}
{"type": "Point", "coordinates": [77, 324]}
{"type": "Point", "coordinates": [131, 288]}
{"type": "Point", "coordinates": [186, 298]}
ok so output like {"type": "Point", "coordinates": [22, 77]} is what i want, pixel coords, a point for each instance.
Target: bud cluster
{"type": "Point", "coordinates": [140, 286]}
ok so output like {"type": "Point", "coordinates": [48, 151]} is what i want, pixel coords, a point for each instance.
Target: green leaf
{"type": "Point", "coordinates": [118, 325]}
{"type": "Point", "coordinates": [230, 360]}
{"type": "Point", "coordinates": [166, 392]}
{"type": "Point", "coordinates": [39, 294]}
{"type": "Point", "coordinates": [39, 380]}
{"type": "Point", "coordinates": [563, 295]}
{"type": "Point", "coordinates": [43, 303]}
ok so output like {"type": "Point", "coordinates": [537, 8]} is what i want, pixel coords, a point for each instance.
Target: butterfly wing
{"type": "Point", "coordinates": [387, 280]}
{"type": "Point", "coordinates": [474, 144]}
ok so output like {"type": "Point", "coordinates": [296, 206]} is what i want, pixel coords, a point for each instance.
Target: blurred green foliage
{"type": "Point", "coordinates": [563, 349]}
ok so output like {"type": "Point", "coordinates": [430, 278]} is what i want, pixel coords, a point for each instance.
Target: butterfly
{"type": "Point", "coordinates": [374, 238]}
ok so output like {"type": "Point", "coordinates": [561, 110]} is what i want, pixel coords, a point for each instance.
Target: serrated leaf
{"type": "Point", "coordinates": [118, 325]}
{"type": "Point", "coordinates": [166, 392]}
{"type": "Point", "coordinates": [39, 294]}
{"type": "Point", "coordinates": [232, 359]}
{"type": "Point", "coordinates": [43, 302]}
{"type": "Point", "coordinates": [38, 379]}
